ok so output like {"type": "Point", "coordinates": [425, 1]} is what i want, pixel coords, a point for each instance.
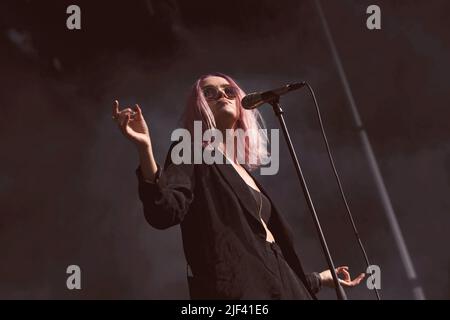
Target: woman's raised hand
{"type": "Point", "coordinates": [132, 124]}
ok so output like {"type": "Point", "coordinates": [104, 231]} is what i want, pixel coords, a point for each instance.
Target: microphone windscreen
{"type": "Point", "coordinates": [251, 101]}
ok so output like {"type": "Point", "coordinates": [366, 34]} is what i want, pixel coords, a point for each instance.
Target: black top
{"type": "Point", "coordinates": [221, 231]}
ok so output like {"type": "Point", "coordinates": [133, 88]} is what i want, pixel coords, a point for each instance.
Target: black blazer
{"type": "Point", "coordinates": [221, 230]}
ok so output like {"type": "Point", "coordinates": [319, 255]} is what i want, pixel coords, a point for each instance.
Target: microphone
{"type": "Point", "coordinates": [255, 99]}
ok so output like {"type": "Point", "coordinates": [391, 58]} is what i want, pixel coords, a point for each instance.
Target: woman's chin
{"type": "Point", "coordinates": [228, 115]}
{"type": "Point", "coordinates": [227, 108]}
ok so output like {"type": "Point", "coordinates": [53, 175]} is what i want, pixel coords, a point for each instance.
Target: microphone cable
{"type": "Point", "coordinates": [349, 214]}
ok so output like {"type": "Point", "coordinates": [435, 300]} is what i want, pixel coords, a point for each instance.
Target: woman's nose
{"type": "Point", "coordinates": [220, 94]}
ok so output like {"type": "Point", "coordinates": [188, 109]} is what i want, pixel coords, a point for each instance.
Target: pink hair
{"type": "Point", "coordinates": [197, 109]}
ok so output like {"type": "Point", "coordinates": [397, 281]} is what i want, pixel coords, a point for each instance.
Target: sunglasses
{"type": "Point", "coordinates": [213, 93]}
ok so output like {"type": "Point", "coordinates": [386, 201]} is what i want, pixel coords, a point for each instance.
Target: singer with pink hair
{"type": "Point", "coordinates": [236, 243]}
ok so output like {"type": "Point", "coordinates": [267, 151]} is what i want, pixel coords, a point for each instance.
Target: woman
{"type": "Point", "coordinates": [237, 244]}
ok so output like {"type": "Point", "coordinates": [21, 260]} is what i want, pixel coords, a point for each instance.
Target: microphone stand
{"type": "Point", "coordinates": [275, 102]}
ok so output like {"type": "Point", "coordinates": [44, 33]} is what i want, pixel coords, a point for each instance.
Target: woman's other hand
{"type": "Point", "coordinates": [327, 279]}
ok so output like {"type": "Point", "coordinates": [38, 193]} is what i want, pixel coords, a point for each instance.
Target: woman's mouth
{"type": "Point", "coordinates": [223, 101]}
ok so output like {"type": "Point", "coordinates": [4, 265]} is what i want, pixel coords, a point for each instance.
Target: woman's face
{"type": "Point", "coordinates": [220, 96]}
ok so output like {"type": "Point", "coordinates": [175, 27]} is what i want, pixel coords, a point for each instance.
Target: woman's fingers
{"type": "Point", "coordinates": [126, 111]}
{"type": "Point", "coordinates": [352, 283]}
{"type": "Point", "coordinates": [344, 272]}
{"type": "Point", "coordinates": [120, 115]}
{"type": "Point", "coordinates": [356, 281]}
{"type": "Point", "coordinates": [124, 124]}
{"type": "Point", "coordinates": [360, 277]}
{"type": "Point", "coordinates": [123, 114]}
{"type": "Point", "coordinates": [347, 280]}
{"type": "Point", "coordinates": [346, 276]}
{"type": "Point", "coordinates": [138, 112]}
{"type": "Point", "coordinates": [115, 109]}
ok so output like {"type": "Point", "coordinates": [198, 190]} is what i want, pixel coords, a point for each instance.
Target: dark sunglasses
{"type": "Point", "coordinates": [212, 93]}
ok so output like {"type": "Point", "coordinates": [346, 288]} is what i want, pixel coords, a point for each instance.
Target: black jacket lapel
{"type": "Point", "coordinates": [240, 188]}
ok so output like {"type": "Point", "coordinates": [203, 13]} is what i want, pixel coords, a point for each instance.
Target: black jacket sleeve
{"type": "Point", "coordinates": [314, 282]}
{"type": "Point", "coordinates": [166, 200]}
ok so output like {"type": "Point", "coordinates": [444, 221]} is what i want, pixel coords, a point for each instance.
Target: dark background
{"type": "Point", "coordinates": [68, 192]}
